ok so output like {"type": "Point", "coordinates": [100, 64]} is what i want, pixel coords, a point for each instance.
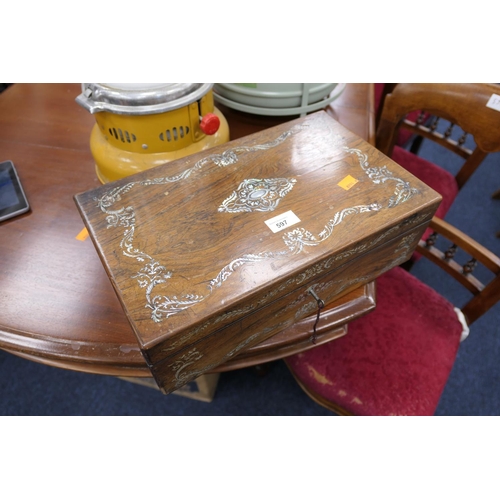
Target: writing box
{"type": "Point", "coordinates": [213, 253]}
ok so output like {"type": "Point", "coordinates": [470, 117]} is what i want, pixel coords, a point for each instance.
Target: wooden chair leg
{"type": "Point", "coordinates": [415, 146]}
{"type": "Point", "coordinates": [262, 370]}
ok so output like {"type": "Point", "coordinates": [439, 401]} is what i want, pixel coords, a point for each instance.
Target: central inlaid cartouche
{"type": "Point", "coordinates": [257, 195]}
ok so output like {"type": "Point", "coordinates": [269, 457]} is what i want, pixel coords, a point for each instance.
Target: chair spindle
{"type": "Point", "coordinates": [450, 253]}
{"type": "Point", "coordinates": [449, 130]}
{"type": "Point", "coordinates": [469, 267]}
{"type": "Point", "coordinates": [462, 139]}
{"type": "Point", "coordinates": [431, 240]}
{"type": "Point", "coordinates": [434, 124]}
{"type": "Point", "coordinates": [420, 118]}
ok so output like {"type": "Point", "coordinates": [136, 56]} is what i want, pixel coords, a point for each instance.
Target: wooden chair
{"type": "Point", "coordinates": [396, 360]}
{"type": "Point", "coordinates": [463, 107]}
{"type": "Point", "coordinates": [381, 90]}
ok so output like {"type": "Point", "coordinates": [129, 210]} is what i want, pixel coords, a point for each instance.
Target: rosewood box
{"type": "Point", "coordinates": [213, 253]}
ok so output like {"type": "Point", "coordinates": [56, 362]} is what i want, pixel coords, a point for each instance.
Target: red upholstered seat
{"type": "Point", "coordinates": [433, 175]}
{"type": "Point", "coordinates": [394, 361]}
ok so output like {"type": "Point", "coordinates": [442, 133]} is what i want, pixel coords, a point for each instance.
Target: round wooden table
{"type": "Point", "coordinates": [57, 305]}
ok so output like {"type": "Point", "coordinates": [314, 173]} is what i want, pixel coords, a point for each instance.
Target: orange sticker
{"type": "Point", "coordinates": [347, 182]}
{"type": "Point", "coordinates": [82, 235]}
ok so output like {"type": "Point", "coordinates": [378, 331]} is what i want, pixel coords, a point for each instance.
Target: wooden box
{"type": "Point", "coordinates": [215, 252]}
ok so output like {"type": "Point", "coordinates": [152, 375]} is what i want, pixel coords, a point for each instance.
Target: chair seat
{"type": "Point", "coordinates": [394, 361]}
{"type": "Point", "coordinates": [434, 176]}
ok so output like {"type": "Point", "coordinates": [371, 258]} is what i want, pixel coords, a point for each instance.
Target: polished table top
{"type": "Point", "coordinates": [57, 305]}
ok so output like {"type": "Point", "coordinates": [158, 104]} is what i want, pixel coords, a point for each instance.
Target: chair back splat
{"type": "Point", "coordinates": [461, 104]}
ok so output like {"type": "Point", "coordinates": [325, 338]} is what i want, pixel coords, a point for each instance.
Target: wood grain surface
{"type": "Point", "coordinates": [202, 276]}
{"type": "Point", "coordinates": [57, 305]}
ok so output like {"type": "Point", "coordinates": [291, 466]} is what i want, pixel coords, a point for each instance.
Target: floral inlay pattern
{"type": "Point", "coordinates": [251, 195]}
{"type": "Point", "coordinates": [153, 273]}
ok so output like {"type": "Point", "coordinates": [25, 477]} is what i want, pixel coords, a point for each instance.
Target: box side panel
{"type": "Point", "coordinates": [169, 345]}
{"type": "Point", "coordinates": [213, 350]}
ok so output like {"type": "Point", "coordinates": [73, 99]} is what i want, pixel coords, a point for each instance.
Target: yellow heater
{"type": "Point", "coordinates": [140, 126]}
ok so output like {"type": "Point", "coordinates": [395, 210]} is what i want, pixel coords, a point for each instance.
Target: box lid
{"type": "Point", "coordinates": [186, 241]}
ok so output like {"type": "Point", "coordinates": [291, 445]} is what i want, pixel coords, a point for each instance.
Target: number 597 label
{"type": "Point", "coordinates": [282, 221]}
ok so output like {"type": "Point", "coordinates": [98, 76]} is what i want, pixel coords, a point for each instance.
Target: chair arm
{"type": "Point", "coordinates": [485, 294]}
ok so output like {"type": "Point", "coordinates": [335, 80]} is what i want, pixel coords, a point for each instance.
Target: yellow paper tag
{"type": "Point", "coordinates": [347, 182]}
{"type": "Point", "coordinates": [82, 235]}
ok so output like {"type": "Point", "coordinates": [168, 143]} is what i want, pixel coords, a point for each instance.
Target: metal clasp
{"type": "Point", "coordinates": [321, 304]}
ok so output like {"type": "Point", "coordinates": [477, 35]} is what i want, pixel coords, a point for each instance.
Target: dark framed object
{"type": "Point", "coordinates": [13, 200]}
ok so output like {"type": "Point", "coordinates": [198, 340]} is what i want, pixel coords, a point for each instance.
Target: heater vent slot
{"type": "Point", "coordinates": [122, 135]}
{"type": "Point", "coordinates": [174, 134]}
